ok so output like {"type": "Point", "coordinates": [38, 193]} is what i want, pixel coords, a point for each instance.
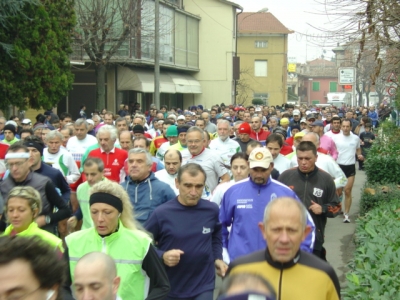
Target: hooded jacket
{"type": "Point", "coordinates": [146, 195]}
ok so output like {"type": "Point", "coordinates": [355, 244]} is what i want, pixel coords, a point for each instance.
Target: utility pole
{"type": "Point", "coordinates": [157, 55]}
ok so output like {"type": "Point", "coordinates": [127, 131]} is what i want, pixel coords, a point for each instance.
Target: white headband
{"type": "Point", "coordinates": [17, 155]}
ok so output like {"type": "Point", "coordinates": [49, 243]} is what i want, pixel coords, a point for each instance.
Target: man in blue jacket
{"type": "Point", "coordinates": [145, 191]}
{"type": "Point", "coordinates": [243, 205]}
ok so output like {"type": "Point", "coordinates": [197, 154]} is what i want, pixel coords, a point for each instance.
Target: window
{"type": "Point", "coordinates": [263, 96]}
{"type": "Point", "coordinates": [315, 86]}
{"type": "Point", "coordinates": [260, 68]}
{"type": "Point", "coordinates": [332, 87]}
{"type": "Point", "coordinates": [261, 44]}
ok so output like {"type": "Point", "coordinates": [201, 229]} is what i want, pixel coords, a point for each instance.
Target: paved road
{"type": "Point", "coordinates": [339, 235]}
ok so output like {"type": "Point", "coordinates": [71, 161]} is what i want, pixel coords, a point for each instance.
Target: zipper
{"type": "Point", "coordinates": [103, 245]}
{"type": "Point", "coordinates": [305, 190]}
{"type": "Point", "coordinates": [280, 284]}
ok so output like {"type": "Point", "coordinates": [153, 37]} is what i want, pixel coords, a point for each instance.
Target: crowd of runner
{"type": "Point", "coordinates": [153, 204]}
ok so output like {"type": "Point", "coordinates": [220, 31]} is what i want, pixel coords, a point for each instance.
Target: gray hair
{"type": "Point", "coordinates": [97, 117]}
{"type": "Point", "coordinates": [274, 118]}
{"type": "Point", "coordinates": [54, 134]}
{"type": "Point", "coordinates": [287, 201]}
{"type": "Point", "coordinates": [315, 135]}
{"type": "Point", "coordinates": [80, 122]}
{"type": "Point", "coordinates": [110, 129]}
{"type": "Point", "coordinates": [224, 122]}
{"type": "Point", "coordinates": [238, 123]}
{"type": "Point", "coordinates": [122, 119]}
{"type": "Point", "coordinates": [196, 129]}
{"type": "Point", "coordinates": [149, 160]}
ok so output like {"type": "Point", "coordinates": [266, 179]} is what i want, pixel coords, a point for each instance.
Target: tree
{"type": "Point", "coordinates": [244, 92]}
{"type": "Point", "coordinates": [103, 26]}
{"type": "Point", "coordinates": [37, 73]}
{"type": "Point", "coordinates": [10, 8]}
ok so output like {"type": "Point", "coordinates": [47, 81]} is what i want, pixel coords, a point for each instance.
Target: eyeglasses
{"type": "Point", "coordinates": [16, 164]}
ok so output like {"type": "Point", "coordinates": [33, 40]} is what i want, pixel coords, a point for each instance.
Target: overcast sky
{"type": "Point", "coordinates": [307, 43]}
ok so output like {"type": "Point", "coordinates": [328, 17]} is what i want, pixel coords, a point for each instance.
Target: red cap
{"type": "Point", "coordinates": [244, 128]}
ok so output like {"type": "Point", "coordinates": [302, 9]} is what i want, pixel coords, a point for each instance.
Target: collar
{"type": "Point", "coordinates": [280, 265]}
{"type": "Point", "coordinates": [310, 174]}
{"type": "Point", "coordinates": [193, 156]}
{"type": "Point", "coordinates": [111, 151]}
{"type": "Point", "coordinates": [139, 181]}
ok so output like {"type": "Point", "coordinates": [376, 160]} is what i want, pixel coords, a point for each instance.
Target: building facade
{"type": "Point", "coordinates": [262, 48]}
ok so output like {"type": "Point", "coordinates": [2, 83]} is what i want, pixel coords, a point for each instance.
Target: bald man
{"type": "Point", "coordinates": [172, 162]}
{"type": "Point", "coordinates": [96, 277]}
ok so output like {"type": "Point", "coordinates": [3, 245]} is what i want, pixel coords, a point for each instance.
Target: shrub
{"type": "Point", "coordinates": [373, 195]}
{"type": "Point", "coordinates": [383, 161]}
{"type": "Point", "coordinates": [374, 271]}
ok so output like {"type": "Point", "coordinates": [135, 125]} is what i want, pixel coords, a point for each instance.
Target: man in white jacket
{"type": "Point", "coordinates": [172, 162]}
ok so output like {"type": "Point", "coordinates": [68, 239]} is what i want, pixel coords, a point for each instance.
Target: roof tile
{"type": "Point", "coordinates": [265, 22]}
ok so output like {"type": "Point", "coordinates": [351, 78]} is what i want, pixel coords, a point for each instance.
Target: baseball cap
{"type": "Point", "coordinates": [244, 128]}
{"type": "Point", "coordinates": [200, 106]}
{"type": "Point", "coordinates": [303, 120]}
{"type": "Point", "coordinates": [138, 129]}
{"type": "Point", "coordinates": [299, 135]}
{"type": "Point", "coordinates": [13, 123]}
{"type": "Point", "coordinates": [181, 117]}
{"type": "Point", "coordinates": [26, 121]}
{"type": "Point", "coordinates": [172, 116]}
{"type": "Point", "coordinates": [284, 121]}
{"type": "Point", "coordinates": [258, 109]}
{"type": "Point", "coordinates": [318, 123]}
{"type": "Point", "coordinates": [171, 131]}
{"type": "Point", "coordinates": [296, 112]}
{"type": "Point", "coordinates": [260, 157]}
{"type": "Point", "coordinates": [311, 116]}
{"type": "Point", "coordinates": [90, 121]}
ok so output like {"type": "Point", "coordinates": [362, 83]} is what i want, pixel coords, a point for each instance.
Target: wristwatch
{"type": "Point", "coordinates": [47, 219]}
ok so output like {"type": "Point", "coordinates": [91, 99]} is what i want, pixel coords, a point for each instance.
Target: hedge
{"type": "Point", "coordinates": [374, 271]}
{"type": "Point", "coordinates": [383, 160]}
{"type": "Point", "coordinates": [374, 194]}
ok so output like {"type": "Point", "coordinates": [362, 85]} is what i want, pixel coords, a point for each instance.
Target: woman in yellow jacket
{"type": "Point", "coordinates": [23, 205]}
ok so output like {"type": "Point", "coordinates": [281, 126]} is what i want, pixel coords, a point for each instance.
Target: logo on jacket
{"type": "Point", "coordinates": [115, 163]}
{"type": "Point", "coordinates": [206, 230]}
{"type": "Point", "coordinates": [273, 196]}
{"type": "Point", "coordinates": [318, 192]}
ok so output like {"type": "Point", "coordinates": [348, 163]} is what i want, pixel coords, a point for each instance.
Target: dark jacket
{"type": "Point", "coordinates": [317, 186]}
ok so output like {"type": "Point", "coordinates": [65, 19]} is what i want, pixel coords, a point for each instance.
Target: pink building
{"type": "Point", "coordinates": [317, 78]}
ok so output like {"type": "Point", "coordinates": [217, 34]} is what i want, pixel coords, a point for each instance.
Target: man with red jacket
{"type": "Point", "coordinates": [257, 132]}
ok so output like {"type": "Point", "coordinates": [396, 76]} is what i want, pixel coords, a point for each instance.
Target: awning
{"type": "Point", "coordinates": [185, 84]}
{"type": "Point", "coordinates": [142, 80]}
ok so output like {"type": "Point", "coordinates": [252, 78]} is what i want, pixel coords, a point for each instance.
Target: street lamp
{"type": "Point", "coordinates": [309, 91]}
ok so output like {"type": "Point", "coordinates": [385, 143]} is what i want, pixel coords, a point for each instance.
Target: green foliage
{"type": "Point", "coordinates": [383, 161]}
{"type": "Point", "coordinates": [383, 194]}
{"type": "Point", "coordinates": [374, 271]}
{"type": "Point", "coordinates": [258, 101]}
{"type": "Point", "coordinates": [38, 74]}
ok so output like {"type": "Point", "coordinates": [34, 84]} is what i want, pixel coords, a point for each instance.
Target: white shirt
{"type": "Point", "coordinates": [220, 190]}
{"type": "Point", "coordinates": [64, 162]}
{"type": "Point", "coordinates": [161, 151]}
{"type": "Point", "coordinates": [78, 147]}
{"type": "Point", "coordinates": [281, 163]}
{"type": "Point", "coordinates": [212, 164]}
{"type": "Point", "coordinates": [225, 148]}
{"type": "Point", "coordinates": [163, 176]}
{"type": "Point", "coordinates": [347, 146]}
{"type": "Point", "coordinates": [329, 165]}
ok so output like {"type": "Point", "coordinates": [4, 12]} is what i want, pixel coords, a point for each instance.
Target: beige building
{"type": "Point", "coordinates": [262, 48]}
{"type": "Point", "coordinates": [197, 43]}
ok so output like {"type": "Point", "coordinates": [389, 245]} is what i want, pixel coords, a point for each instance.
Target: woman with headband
{"type": "Point", "coordinates": [117, 234]}
{"type": "Point", "coordinates": [23, 205]}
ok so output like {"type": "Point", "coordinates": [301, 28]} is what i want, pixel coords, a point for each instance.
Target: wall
{"type": "Point", "coordinates": [276, 53]}
{"type": "Point", "coordinates": [323, 88]}
{"type": "Point", "coordinates": [216, 49]}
